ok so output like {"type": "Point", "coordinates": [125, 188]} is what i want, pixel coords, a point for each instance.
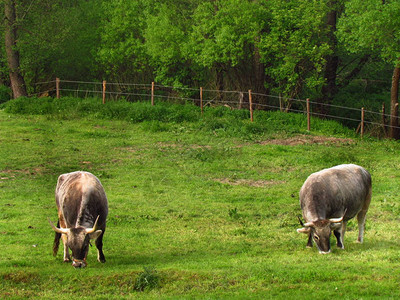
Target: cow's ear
{"type": "Point", "coordinates": [95, 235]}
{"type": "Point", "coordinates": [304, 230]}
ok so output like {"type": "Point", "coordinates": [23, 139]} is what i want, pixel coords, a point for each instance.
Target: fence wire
{"type": "Point", "coordinates": [212, 97]}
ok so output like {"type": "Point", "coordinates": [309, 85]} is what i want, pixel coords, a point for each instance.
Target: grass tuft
{"type": "Point", "coordinates": [147, 280]}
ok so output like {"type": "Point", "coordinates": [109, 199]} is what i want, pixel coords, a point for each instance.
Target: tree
{"type": "Point", "coordinates": [121, 51]}
{"type": "Point", "coordinates": [294, 47]}
{"type": "Point", "coordinates": [58, 39]}
{"type": "Point", "coordinates": [11, 36]}
{"type": "Point", "coordinates": [370, 26]}
{"type": "Point", "coordinates": [167, 34]}
{"type": "Point", "coordinates": [225, 38]}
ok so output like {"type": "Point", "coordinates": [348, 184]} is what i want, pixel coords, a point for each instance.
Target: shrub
{"type": "Point", "coordinates": [5, 93]}
{"type": "Point", "coordinates": [218, 120]}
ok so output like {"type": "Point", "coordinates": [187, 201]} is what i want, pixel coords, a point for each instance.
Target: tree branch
{"type": "Point", "coordinates": [345, 82]}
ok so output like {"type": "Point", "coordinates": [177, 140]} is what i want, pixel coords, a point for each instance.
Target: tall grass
{"type": "Point", "coordinates": [220, 120]}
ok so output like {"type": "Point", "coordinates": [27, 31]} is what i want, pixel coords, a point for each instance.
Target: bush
{"type": "Point", "coordinates": [218, 120]}
{"type": "Point", "coordinates": [5, 93]}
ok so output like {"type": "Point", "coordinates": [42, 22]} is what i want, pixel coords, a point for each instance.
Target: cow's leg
{"type": "Point", "coordinates": [99, 245]}
{"type": "Point", "coordinates": [361, 218]}
{"type": "Point", "coordinates": [67, 258]}
{"type": "Point", "coordinates": [361, 226]}
{"type": "Point", "coordinates": [64, 238]}
{"type": "Point", "coordinates": [57, 238]}
{"type": "Point", "coordinates": [339, 234]}
{"type": "Point", "coordinates": [309, 242]}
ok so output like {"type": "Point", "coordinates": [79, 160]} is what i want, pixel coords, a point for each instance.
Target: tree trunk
{"type": "Point", "coordinates": [329, 89]}
{"type": "Point", "coordinates": [219, 72]}
{"type": "Point", "coordinates": [16, 79]}
{"type": "Point", "coordinates": [394, 105]}
{"type": "Point", "coordinates": [258, 83]}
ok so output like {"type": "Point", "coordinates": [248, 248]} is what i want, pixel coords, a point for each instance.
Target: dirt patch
{"type": "Point", "coordinates": [248, 182]}
{"type": "Point", "coordinates": [305, 139]}
{"type": "Point", "coordinates": [12, 174]}
{"type": "Point", "coordinates": [172, 145]}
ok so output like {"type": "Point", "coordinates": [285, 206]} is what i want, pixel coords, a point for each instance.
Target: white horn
{"type": "Point", "coordinates": [58, 230]}
{"type": "Point", "coordinates": [309, 224]}
{"type": "Point", "coordinates": [338, 220]}
{"type": "Point", "coordinates": [304, 230]}
{"type": "Point", "coordinates": [93, 229]}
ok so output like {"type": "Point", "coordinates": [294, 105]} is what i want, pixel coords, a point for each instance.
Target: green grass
{"type": "Point", "coordinates": [199, 207]}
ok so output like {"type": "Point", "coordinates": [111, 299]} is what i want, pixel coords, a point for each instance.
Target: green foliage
{"type": "Point", "coordinates": [293, 47]}
{"type": "Point", "coordinates": [223, 33]}
{"type": "Point", "coordinates": [166, 37]}
{"type": "Point", "coordinates": [221, 121]}
{"type": "Point", "coordinates": [5, 93]}
{"type": "Point", "coordinates": [122, 51]}
{"type": "Point", "coordinates": [277, 47]}
{"type": "Point", "coordinates": [372, 26]}
{"type": "Point", "coordinates": [59, 40]}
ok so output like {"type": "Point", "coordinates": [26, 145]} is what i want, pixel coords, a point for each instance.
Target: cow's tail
{"type": "Point", "coordinates": [56, 240]}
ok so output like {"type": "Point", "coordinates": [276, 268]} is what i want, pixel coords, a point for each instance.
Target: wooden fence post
{"type": "Point", "coordinates": [58, 88]}
{"type": "Point", "coordinates": [251, 106]}
{"type": "Point", "coordinates": [308, 115]}
{"type": "Point", "coordinates": [384, 119]}
{"type": "Point", "coordinates": [362, 121]}
{"type": "Point", "coordinates": [240, 100]}
{"type": "Point", "coordinates": [152, 93]}
{"type": "Point", "coordinates": [201, 100]}
{"type": "Point", "coordinates": [104, 91]}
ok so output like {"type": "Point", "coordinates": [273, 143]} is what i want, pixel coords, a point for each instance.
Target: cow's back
{"type": "Point", "coordinates": [80, 198]}
{"type": "Point", "coordinates": [330, 192]}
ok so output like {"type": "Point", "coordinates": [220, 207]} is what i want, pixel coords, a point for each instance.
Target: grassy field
{"type": "Point", "coordinates": [198, 207]}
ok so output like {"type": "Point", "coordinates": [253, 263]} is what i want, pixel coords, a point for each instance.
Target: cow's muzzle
{"type": "Point", "coordinates": [77, 263]}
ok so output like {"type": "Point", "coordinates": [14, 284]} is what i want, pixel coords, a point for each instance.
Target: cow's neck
{"type": "Point", "coordinates": [85, 220]}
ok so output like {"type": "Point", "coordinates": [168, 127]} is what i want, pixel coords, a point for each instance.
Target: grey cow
{"type": "Point", "coordinates": [331, 197]}
{"type": "Point", "coordinates": [82, 212]}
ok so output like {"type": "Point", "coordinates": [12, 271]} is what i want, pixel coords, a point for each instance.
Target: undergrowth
{"type": "Point", "coordinates": [218, 120]}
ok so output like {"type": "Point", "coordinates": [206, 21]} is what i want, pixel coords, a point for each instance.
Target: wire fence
{"type": "Point", "coordinates": [373, 122]}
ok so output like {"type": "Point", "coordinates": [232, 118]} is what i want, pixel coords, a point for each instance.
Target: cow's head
{"type": "Point", "coordinates": [78, 241]}
{"type": "Point", "coordinates": [320, 231]}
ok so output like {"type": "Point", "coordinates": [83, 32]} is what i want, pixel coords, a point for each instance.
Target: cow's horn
{"type": "Point", "coordinates": [58, 230]}
{"type": "Point", "coordinates": [309, 224]}
{"type": "Point", "coordinates": [338, 220]}
{"type": "Point", "coordinates": [93, 229]}
{"type": "Point", "coordinates": [301, 222]}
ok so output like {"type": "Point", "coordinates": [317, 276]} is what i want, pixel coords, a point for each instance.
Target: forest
{"type": "Point", "coordinates": [343, 52]}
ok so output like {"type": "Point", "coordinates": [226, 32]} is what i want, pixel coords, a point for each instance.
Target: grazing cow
{"type": "Point", "coordinates": [331, 197]}
{"type": "Point", "coordinates": [82, 211]}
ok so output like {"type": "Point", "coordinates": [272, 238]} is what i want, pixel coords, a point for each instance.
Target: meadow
{"type": "Point", "coordinates": [199, 206]}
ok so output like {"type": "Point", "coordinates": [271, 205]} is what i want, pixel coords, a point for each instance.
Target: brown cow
{"type": "Point", "coordinates": [82, 211]}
